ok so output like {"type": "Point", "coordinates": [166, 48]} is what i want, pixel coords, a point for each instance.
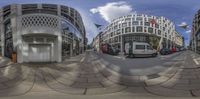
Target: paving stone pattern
{"type": "Point", "coordinates": [92, 77]}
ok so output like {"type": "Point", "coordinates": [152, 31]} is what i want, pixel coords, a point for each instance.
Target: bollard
{"type": "Point", "coordinates": [14, 57]}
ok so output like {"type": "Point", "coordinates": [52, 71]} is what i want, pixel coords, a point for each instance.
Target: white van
{"type": "Point", "coordinates": [139, 49]}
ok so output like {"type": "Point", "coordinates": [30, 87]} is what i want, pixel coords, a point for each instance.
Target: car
{"type": "Point", "coordinates": [165, 51]}
{"type": "Point", "coordinates": [108, 49]}
{"type": "Point", "coordinates": [139, 49]}
{"type": "Point", "coordinates": [173, 50]}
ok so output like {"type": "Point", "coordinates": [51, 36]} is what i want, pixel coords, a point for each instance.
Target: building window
{"type": "Point", "coordinates": [147, 24]}
{"type": "Point", "coordinates": [155, 31]}
{"type": "Point", "coordinates": [111, 34]}
{"type": "Point", "coordinates": [119, 25]}
{"type": "Point", "coordinates": [139, 29]}
{"type": "Point", "coordinates": [128, 29]}
{"type": "Point", "coordinates": [128, 19]}
{"type": "Point", "coordinates": [118, 31]}
{"type": "Point", "coordinates": [28, 39]}
{"type": "Point", "coordinates": [159, 32]}
{"type": "Point", "coordinates": [133, 29]}
{"type": "Point", "coordinates": [141, 22]}
{"type": "Point", "coordinates": [124, 25]}
{"type": "Point", "coordinates": [150, 30]}
{"type": "Point", "coordinates": [157, 26]}
{"type": "Point", "coordinates": [39, 39]}
{"type": "Point", "coordinates": [135, 23]}
{"type": "Point", "coordinates": [122, 30]}
{"type": "Point", "coordinates": [116, 39]}
{"type": "Point", "coordinates": [120, 38]}
{"type": "Point", "coordinates": [115, 27]}
{"type": "Point", "coordinates": [145, 29]}
{"type": "Point", "coordinates": [129, 23]}
{"type": "Point", "coordinates": [163, 28]}
{"type": "Point", "coordinates": [139, 18]}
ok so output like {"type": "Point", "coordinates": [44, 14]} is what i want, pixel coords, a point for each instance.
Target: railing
{"type": "Point", "coordinates": [39, 20]}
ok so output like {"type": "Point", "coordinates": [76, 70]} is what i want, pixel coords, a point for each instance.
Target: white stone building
{"type": "Point", "coordinates": [41, 32]}
{"type": "Point", "coordinates": [159, 32]}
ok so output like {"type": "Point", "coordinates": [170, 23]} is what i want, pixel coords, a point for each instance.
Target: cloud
{"type": "Point", "coordinates": [183, 25]}
{"type": "Point", "coordinates": [113, 10]}
{"type": "Point", "coordinates": [94, 10]}
{"type": "Point", "coordinates": [188, 31]}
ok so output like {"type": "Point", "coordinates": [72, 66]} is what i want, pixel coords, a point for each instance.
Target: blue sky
{"type": "Point", "coordinates": [178, 11]}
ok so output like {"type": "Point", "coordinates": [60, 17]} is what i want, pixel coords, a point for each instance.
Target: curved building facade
{"type": "Point", "coordinates": [195, 35]}
{"type": "Point", "coordinates": [41, 32]}
{"type": "Point", "coordinates": [159, 32]}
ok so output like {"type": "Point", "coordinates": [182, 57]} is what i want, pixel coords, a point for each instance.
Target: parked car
{"type": "Point", "coordinates": [108, 49]}
{"type": "Point", "coordinates": [182, 49]}
{"type": "Point", "coordinates": [139, 49]}
{"type": "Point", "coordinates": [165, 51]}
{"type": "Point", "coordinates": [173, 50]}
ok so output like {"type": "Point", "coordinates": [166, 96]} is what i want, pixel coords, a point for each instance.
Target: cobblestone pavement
{"type": "Point", "coordinates": [87, 74]}
{"type": "Point", "coordinates": [5, 62]}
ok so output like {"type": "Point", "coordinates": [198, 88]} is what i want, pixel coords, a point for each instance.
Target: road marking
{"type": "Point", "coordinates": [120, 57]}
{"type": "Point", "coordinates": [82, 59]}
{"type": "Point", "coordinates": [117, 57]}
{"type": "Point", "coordinates": [196, 62]}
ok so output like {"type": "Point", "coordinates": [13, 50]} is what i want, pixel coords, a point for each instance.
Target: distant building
{"type": "Point", "coordinates": [96, 43]}
{"type": "Point", "coordinates": [159, 32]}
{"type": "Point", "coordinates": [41, 32]}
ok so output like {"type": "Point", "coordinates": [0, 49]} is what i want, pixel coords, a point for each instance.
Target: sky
{"type": "Point", "coordinates": [180, 12]}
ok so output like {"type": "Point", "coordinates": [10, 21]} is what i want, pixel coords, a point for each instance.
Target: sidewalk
{"type": "Point", "coordinates": [5, 61]}
{"type": "Point", "coordinates": [86, 77]}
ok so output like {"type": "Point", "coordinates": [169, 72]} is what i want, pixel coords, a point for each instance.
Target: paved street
{"type": "Point", "coordinates": [94, 75]}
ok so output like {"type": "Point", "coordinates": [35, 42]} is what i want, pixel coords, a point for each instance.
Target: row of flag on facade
{"type": "Point", "coordinates": [151, 21]}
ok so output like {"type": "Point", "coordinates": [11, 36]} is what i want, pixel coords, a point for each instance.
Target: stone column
{"type": "Point", "coordinates": [121, 45]}
{"type": "Point", "coordinates": [2, 32]}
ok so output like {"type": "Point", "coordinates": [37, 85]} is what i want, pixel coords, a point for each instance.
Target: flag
{"type": "Point", "coordinates": [97, 25]}
{"type": "Point", "coordinates": [153, 21]}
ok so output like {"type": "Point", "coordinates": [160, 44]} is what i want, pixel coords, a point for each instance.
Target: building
{"type": "Point", "coordinates": [179, 40]}
{"type": "Point", "coordinates": [159, 32]}
{"type": "Point", "coordinates": [195, 35]}
{"type": "Point", "coordinates": [41, 32]}
{"type": "Point", "coordinates": [96, 43]}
